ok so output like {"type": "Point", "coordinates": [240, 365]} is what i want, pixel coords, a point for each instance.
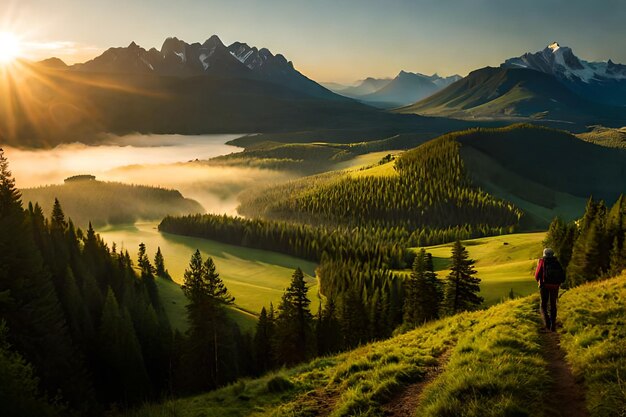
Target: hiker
{"type": "Point", "coordinates": [549, 277]}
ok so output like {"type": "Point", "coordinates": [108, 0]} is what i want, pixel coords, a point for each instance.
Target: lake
{"type": "Point", "coordinates": [157, 160]}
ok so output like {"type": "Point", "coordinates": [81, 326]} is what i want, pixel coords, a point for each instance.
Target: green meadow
{"type": "Point", "coordinates": [504, 263]}
{"type": "Point", "coordinates": [255, 277]}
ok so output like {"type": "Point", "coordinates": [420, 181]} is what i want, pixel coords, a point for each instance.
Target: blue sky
{"type": "Point", "coordinates": [340, 40]}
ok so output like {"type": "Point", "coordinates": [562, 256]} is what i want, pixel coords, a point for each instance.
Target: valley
{"type": "Point", "coordinates": [194, 225]}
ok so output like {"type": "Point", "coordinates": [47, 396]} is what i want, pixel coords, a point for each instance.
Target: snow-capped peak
{"type": "Point", "coordinates": [554, 46]}
{"type": "Point", "coordinates": [560, 61]}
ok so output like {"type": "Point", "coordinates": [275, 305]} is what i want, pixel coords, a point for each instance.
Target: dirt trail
{"type": "Point", "coordinates": [566, 397]}
{"type": "Point", "coordinates": [405, 403]}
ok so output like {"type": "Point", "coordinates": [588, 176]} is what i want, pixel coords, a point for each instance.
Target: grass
{"type": "Point", "coordinates": [495, 367]}
{"type": "Point", "coordinates": [254, 277]}
{"type": "Point", "coordinates": [504, 263]}
{"type": "Point", "coordinates": [594, 339]}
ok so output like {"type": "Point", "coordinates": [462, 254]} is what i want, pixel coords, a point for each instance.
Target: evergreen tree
{"type": "Point", "coordinates": [57, 219]}
{"type": "Point", "coordinates": [328, 329]}
{"type": "Point", "coordinates": [560, 238]}
{"type": "Point", "coordinates": [422, 296]}
{"type": "Point", "coordinates": [122, 372]}
{"type": "Point", "coordinates": [159, 265]}
{"type": "Point", "coordinates": [19, 387]}
{"type": "Point", "coordinates": [146, 268]}
{"type": "Point", "coordinates": [354, 320]}
{"type": "Point", "coordinates": [263, 336]}
{"type": "Point", "coordinates": [32, 311]}
{"type": "Point", "coordinates": [294, 341]}
{"type": "Point", "coordinates": [586, 262]}
{"type": "Point", "coordinates": [208, 325]}
{"type": "Point", "coordinates": [462, 287]}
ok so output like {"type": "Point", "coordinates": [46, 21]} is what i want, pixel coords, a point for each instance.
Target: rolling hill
{"type": "Point", "coordinates": [544, 172]}
{"type": "Point", "coordinates": [488, 363]}
{"type": "Point", "coordinates": [519, 93]}
{"type": "Point", "coordinates": [104, 203]}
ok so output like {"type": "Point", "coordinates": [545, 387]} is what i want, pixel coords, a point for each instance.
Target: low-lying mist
{"type": "Point", "coordinates": [157, 160]}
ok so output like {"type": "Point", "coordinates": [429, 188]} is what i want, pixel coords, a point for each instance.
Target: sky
{"type": "Point", "coordinates": [330, 40]}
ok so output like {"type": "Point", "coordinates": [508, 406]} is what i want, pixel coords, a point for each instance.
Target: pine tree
{"type": "Point", "coordinates": [208, 324]}
{"type": "Point", "coordinates": [57, 219]}
{"type": "Point", "coordinates": [422, 296]}
{"type": "Point", "coordinates": [19, 386]}
{"type": "Point", "coordinates": [35, 318]}
{"type": "Point", "coordinates": [294, 341]}
{"type": "Point", "coordinates": [146, 268]}
{"type": "Point", "coordinates": [159, 265]}
{"type": "Point", "coordinates": [123, 372]}
{"type": "Point", "coordinates": [263, 343]}
{"type": "Point", "coordinates": [586, 262]}
{"type": "Point", "coordinates": [328, 330]}
{"type": "Point", "coordinates": [462, 287]}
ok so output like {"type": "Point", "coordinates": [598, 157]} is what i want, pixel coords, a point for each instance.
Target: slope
{"type": "Point", "coordinates": [104, 203]}
{"type": "Point", "coordinates": [497, 366]}
{"type": "Point", "coordinates": [514, 93]}
{"type": "Point", "coordinates": [542, 171]}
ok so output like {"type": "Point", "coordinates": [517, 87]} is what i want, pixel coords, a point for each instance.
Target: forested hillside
{"type": "Point", "coordinates": [93, 332]}
{"type": "Point", "coordinates": [488, 363]}
{"type": "Point", "coordinates": [522, 175]}
{"type": "Point", "coordinates": [103, 203]}
{"type": "Point", "coordinates": [432, 190]}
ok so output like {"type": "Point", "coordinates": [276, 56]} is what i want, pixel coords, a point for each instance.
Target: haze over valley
{"type": "Point", "coordinates": [279, 208]}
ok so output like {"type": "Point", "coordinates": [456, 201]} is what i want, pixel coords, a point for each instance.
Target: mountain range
{"type": "Point", "coordinates": [212, 57]}
{"type": "Point", "coordinates": [552, 84]}
{"type": "Point", "coordinates": [405, 88]}
{"type": "Point", "coordinates": [604, 82]}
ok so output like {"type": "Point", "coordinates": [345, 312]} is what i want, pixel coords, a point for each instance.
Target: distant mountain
{"type": "Point", "coordinates": [181, 59]}
{"type": "Point", "coordinates": [407, 88]}
{"type": "Point", "coordinates": [604, 82]}
{"type": "Point", "coordinates": [53, 62]}
{"type": "Point", "coordinates": [366, 86]}
{"type": "Point", "coordinates": [60, 106]}
{"type": "Point", "coordinates": [514, 93]}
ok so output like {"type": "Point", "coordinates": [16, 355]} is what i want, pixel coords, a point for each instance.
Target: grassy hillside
{"type": "Point", "coordinates": [104, 203]}
{"type": "Point", "coordinates": [605, 136]}
{"type": "Point", "coordinates": [545, 172]}
{"type": "Point", "coordinates": [489, 363]}
{"type": "Point", "coordinates": [504, 263]}
{"type": "Point", "coordinates": [254, 277]}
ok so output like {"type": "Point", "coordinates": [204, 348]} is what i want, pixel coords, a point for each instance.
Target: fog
{"type": "Point", "coordinates": [159, 160]}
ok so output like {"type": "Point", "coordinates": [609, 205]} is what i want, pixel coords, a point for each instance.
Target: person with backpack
{"type": "Point", "coordinates": [549, 276]}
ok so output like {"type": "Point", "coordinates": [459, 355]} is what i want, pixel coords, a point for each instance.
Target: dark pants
{"type": "Point", "coordinates": [549, 295]}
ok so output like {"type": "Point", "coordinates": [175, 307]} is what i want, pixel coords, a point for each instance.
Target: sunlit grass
{"type": "Point", "coordinates": [594, 338]}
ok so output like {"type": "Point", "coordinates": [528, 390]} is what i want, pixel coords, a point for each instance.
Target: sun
{"type": "Point", "coordinates": [9, 47]}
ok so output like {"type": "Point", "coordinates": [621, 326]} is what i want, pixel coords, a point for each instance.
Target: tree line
{"type": "Point", "coordinates": [291, 334]}
{"type": "Point", "coordinates": [594, 246]}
